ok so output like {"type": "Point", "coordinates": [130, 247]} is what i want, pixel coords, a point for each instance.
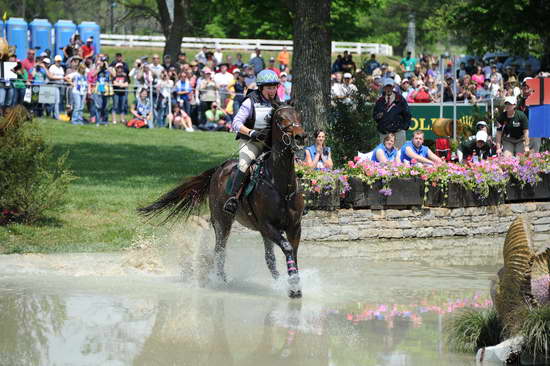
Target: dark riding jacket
{"type": "Point", "coordinates": [395, 116]}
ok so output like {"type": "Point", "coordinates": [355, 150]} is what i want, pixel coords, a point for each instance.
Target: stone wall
{"type": "Point", "coordinates": [350, 225]}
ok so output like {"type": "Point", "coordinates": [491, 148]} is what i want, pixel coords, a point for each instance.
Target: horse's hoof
{"type": "Point", "coordinates": [295, 294]}
{"type": "Point", "coordinates": [222, 278]}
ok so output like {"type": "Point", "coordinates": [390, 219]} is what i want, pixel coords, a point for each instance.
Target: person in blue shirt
{"type": "Point", "coordinates": [385, 151]}
{"type": "Point", "coordinates": [318, 155]}
{"type": "Point", "coordinates": [415, 150]}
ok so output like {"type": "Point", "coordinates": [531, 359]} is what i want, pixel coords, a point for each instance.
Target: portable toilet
{"type": "Point", "coordinates": [41, 35]}
{"type": "Point", "coordinates": [16, 32]}
{"type": "Point", "coordinates": [90, 29]}
{"type": "Point", "coordinates": [2, 25]}
{"type": "Point", "coordinates": [64, 30]}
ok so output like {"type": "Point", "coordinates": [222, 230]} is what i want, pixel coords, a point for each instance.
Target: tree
{"type": "Point", "coordinates": [311, 61]}
{"type": "Point", "coordinates": [517, 26]}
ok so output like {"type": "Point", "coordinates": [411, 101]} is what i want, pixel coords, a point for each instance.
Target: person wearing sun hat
{"type": "Point", "coordinates": [513, 130]}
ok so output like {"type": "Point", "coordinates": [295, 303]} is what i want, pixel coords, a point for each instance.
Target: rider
{"type": "Point", "coordinates": [253, 116]}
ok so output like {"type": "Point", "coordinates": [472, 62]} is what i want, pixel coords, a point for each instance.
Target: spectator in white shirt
{"type": "Point", "coordinates": [223, 79]}
{"type": "Point", "coordinates": [56, 74]}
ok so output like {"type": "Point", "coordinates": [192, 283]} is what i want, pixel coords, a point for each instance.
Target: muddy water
{"type": "Point", "coordinates": [154, 306]}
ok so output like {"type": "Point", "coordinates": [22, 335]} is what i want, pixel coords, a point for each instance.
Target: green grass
{"type": "Point", "coordinates": [118, 169]}
{"type": "Point", "coordinates": [472, 328]}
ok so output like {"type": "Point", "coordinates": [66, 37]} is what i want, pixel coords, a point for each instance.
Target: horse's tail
{"type": "Point", "coordinates": [183, 201]}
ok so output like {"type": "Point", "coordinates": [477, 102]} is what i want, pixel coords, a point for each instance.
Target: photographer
{"type": "Point", "coordinates": [215, 119]}
{"type": "Point", "coordinates": [103, 89]}
{"type": "Point", "coordinates": [20, 84]}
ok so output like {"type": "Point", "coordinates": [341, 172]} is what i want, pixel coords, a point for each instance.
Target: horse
{"type": "Point", "coordinates": [274, 208]}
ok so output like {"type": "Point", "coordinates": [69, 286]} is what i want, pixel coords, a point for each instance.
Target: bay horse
{"type": "Point", "coordinates": [274, 208]}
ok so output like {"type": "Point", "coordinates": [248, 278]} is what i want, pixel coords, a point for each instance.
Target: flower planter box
{"type": "Point", "coordinates": [328, 200]}
{"type": "Point", "coordinates": [357, 196]}
{"type": "Point", "coordinates": [539, 191]}
{"type": "Point", "coordinates": [435, 197]}
{"type": "Point", "coordinates": [405, 192]}
{"type": "Point", "coordinates": [473, 199]}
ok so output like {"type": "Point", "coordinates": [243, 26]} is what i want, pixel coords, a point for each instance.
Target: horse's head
{"type": "Point", "coordinates": [287, 128]}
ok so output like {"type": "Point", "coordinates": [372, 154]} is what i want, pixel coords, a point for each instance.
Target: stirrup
{"type": "Point", "coordinates": [231, 205]}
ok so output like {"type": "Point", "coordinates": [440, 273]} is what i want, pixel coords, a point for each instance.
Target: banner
{"type": "Point", "coordinates": [47, 94]}
{"type": "Point", "coordinates": [424, 114]}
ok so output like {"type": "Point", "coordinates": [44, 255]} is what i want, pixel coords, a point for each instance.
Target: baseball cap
{"type": "Point", "coordinates": [524, 82]}
{"type": "Point", "coordinates": [236, 70]}
{"type": "Point", "coordinates": [481, 136]}
{"type": "Point", "coordinates": [481, 123]}
{"type": "Point", "coordinates": [119, 64]}
{"type": "Point", "coordinates": [58, 58]}
{"type": "Point", "coordinates": [46, 60]}
{"type": "Point", "coordinates": [283, 74]}
{"type": "Point", "coordinates": [347, 75]}
{"type": "Point", "coordinates": [510, 100]}
{"type": "Point", "coordinates": [207, 70]}
{"type": "Point", "coordinates": [389, 82]}
{"type": "Point", "coordinates": [272, 58]}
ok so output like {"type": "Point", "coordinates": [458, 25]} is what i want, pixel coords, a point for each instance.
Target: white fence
{"type": "Point", "coordinates": [127, 40]}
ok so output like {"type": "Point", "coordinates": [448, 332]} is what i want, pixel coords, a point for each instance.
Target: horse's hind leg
{"type": "Point", "coordinates": [270, 258]}
{"type": "Point", "coordinates": [222, 228]}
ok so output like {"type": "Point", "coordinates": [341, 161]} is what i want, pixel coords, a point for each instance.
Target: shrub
{"type": "Point", "coordinates": [32, 180]}
{"type": "Point", "coordinates": [473, 328]}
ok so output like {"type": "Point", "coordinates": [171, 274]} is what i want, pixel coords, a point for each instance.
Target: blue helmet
{"type": "Point", "coordinates": [267, 77]}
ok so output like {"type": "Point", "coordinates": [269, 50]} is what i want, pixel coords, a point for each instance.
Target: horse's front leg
{"type": "Point", "coordinates": [292, 267]}
{"type": "Point", "coordinates": [294, 234]}
{"type": "Point", "coordinates": [270, 258]}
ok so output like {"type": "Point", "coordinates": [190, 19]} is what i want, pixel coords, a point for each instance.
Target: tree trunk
{"type": "Point", "coordinates": [174, 30]}
{"type": "Point", "coordinates": [311, 61]}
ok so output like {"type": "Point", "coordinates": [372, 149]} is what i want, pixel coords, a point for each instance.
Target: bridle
{"type": "Point", "coordinates": [288, 140]}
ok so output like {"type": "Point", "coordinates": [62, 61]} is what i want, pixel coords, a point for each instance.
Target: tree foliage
{"type": "Point", "coordinates": [517, 26]}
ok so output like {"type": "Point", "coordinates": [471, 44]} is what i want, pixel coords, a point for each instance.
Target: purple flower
{"type": "Point", "coordinates": [385, 191]}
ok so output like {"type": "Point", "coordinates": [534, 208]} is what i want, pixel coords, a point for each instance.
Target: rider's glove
{"type": "Point", "coordinates": [255, 135]}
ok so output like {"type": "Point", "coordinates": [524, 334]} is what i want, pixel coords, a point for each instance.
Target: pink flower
{"type": "Point", "coordinates": [413, 161]}
{"type": "Point", "coordinates": [351, 164]}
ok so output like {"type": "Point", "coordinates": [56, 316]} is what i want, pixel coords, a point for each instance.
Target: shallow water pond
{"type": "Point", "coordinates": [104, 309]}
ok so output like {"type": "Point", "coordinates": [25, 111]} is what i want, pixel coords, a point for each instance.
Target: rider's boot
{"type": "Point", "coordinates": [232, 203]}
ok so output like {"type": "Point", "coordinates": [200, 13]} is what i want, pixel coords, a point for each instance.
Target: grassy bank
{"type": "Point", "coordinates": [118, 169]}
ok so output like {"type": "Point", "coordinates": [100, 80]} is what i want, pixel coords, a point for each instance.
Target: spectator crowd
{"type": "Point", "coordinates": [200, 93]}
{"type": "Point", "coordinates": [425, 80]}
{"type": "Point", "coordinates": [205, 93]}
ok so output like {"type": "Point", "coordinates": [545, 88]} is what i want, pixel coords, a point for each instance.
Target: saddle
{"type": "Point", "coordinates": [254, 174]}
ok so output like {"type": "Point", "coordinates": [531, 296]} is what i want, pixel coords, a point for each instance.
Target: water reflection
{"type": "Point", "coordinates": [28, 321]}
{"type": "Point", "coordinates": [198, 327]}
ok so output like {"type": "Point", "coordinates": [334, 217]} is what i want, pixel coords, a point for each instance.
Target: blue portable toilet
{"type": "Point", "coordinates": [41, 35]}
{"type": "Point", "coordinates": [64, 29]}
{"type": "Point", "coordinates": [2, 28]}
{"type": "Point", "coordinates": [90, 29]}
{"type": "Point", "coordinates": [16, 32]}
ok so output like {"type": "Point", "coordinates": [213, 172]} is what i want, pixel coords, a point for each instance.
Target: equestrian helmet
{"type": "Point", "coordinates": [267, 77]}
